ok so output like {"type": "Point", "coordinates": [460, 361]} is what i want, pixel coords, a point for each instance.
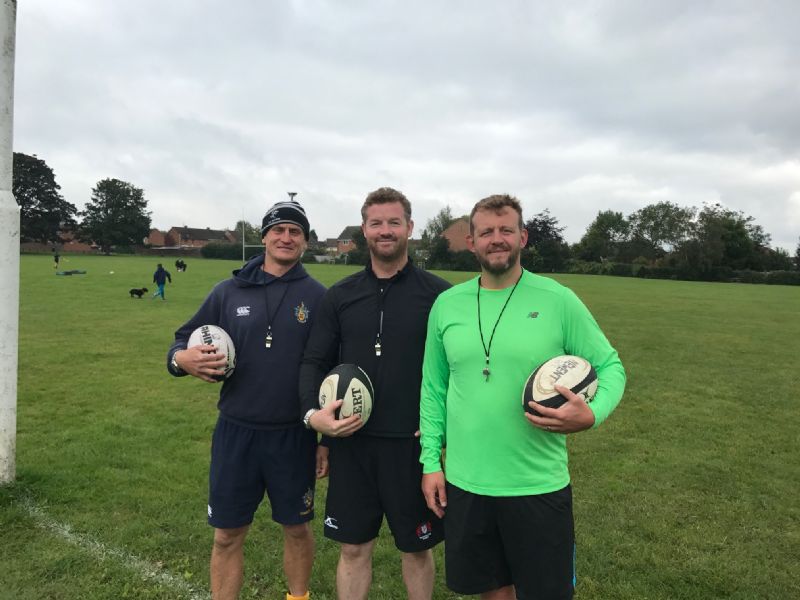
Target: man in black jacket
{"type": "Point", "coordinates": [259, 443]}
{"type": "Point", "coordinates": [376, 319]}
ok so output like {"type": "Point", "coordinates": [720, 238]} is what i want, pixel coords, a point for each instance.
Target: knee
{"type": "Point", "coordinates": [298, 533]}
{"type": "Point", "coordinates": [421, 558]}
{"type": "Point", "coordinates": [229, 540]}
{"type": "Point", "coordinates": [357, 552]}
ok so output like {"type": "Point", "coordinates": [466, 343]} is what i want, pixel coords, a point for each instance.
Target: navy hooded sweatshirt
{"type": "Point", "coordinates": [262, 392]}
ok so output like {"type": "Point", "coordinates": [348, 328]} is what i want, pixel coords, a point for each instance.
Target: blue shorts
{"type": "Point", "coordinates": [247, 462]}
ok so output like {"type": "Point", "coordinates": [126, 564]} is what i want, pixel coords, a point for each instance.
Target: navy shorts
{"type": "Point", "coordinates": [524, 541]}
{"type": "Point", "coordinates": [247, 462]}
{"type": "Point", "coordinates": [371, 477]}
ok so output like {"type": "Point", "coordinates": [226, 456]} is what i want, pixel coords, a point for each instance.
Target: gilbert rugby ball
{"type": "Point", "coordinates": [219, 338]}
{"type": "Point", "coordinates": [572, 372]}
{"type": "Point", "coordinates": [349, 383]}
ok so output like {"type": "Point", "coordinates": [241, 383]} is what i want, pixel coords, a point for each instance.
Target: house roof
{"type": "Point", "coordinates": [193, 233]}
{"type": "Point", "coordinates": [348, 232]}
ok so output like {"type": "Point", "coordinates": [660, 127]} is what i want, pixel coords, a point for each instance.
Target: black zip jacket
{"type": "Point", "coordinates": [347, 327]}
{"type": "Point", "coordinates": [262, 392]}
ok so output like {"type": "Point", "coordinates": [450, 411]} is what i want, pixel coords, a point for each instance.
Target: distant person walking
{"type": "Point", "coordinates": [56, 258]}
{"type": "Point", "coordinates": [160, 278]}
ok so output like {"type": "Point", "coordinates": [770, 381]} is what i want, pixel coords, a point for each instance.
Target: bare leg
{"type": "Point", "coordinates": [227, 563]}
{"type": "Point", "coordinates": [418, 573]}
{"type": "Point", "coordinates": [503, 593]}
{"type": "Point", "coordinates": [298, 556]}
{"type": "Point", "coordinates": [354, 572]}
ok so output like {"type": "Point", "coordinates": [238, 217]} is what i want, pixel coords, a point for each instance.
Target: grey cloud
{"type": "Point", "coordinates": [579, 107]}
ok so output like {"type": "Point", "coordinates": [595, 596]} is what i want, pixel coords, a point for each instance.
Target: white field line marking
{"type": "Point", "coordinates": [103, 552]}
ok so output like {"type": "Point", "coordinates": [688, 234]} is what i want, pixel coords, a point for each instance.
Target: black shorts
{"type": "Point", "coordinates": [247, 462]}
{"type": "Point", "coordinates": [525, 541]}
{"type": "Point", "coordinates": [371, 477]}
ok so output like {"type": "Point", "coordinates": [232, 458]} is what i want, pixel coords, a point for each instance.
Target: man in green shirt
{"type": "Point", "coordinates": [509, 527]}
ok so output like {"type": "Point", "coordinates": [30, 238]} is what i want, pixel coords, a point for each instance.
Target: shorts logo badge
{"type": "Point", "coordinates": [243, 311]}
{"type": "Point", "coordinates": [308, 502]}
{"type": "Point", "coordinates": [301, 313]}
{"type": "Point", "coordinates": [424, 530]}
{"type": "Point", "coordinates": [331, 522]}
{"type": "Point", "coordinates": [209, 511]}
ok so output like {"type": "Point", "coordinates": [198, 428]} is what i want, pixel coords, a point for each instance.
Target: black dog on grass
{"type": "Point", "coordinates": [138, 292]}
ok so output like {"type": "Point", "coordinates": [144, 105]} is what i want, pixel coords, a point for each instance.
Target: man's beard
{"type": "Point", "coordinates": [502, 268]}
{"type": "Point", "coordinates": [400, 250]}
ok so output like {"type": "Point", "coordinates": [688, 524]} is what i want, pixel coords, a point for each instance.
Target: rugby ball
{"type": "Point", "coordinates": [349, 383]}
{"type": "Point", "coordinates": [572, 372]}
{"type": "Point", "coordinates": [219, 338]}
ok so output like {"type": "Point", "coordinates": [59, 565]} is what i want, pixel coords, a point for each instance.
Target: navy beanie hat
{"type": "Point", "coordinates": [287, 211]}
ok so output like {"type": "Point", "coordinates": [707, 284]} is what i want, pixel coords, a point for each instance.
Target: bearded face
{"type": "Point", "coordinates": [497, 240]}
{"type": "Point", "coordinates": [387, 231]}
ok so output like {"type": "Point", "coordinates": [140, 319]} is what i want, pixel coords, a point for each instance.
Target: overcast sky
{"type": "Point", "coordinates": [217, 109]}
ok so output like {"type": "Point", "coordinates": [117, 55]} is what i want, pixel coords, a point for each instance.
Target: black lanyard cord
{"type": "Point", "coordinates": [270, 318]}
{"type": "Point", "coordinates": [487, 351]}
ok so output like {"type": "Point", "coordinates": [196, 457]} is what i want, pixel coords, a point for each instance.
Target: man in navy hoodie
{"type": "Point", "coordinates": [260, 443]}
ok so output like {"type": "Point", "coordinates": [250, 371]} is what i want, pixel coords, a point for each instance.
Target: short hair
{"type": "Point", "coordinates": [385, 195]}
{"type": "Point", "coordinates": [496, 203]}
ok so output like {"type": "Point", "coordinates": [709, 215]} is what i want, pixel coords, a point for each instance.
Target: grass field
{"type": "Point", "coordinates": [690, 490]}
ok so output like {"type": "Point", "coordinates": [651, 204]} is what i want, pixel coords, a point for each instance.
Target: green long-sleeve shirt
{"type": "Point", "coordinates": [491, 448]}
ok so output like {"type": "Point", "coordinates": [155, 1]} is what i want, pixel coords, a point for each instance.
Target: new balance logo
{"type": "Point", "coordinates": [533, 315]}
{"type": "Point", "coordinates": [331, 522]}
{"type": "Point", "coordinates": [243, 311]}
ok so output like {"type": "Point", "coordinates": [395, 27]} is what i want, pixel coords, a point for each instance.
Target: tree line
{"type": "Point", "coordinates": [660, 240]}
{"type": "Point", "coordinates": [115, 216]}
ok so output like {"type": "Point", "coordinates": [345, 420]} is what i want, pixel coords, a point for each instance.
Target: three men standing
{"type": "Point", "coordinates": [507, 489]}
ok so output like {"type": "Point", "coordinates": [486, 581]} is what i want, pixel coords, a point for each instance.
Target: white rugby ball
{"type": "Point", "coordinates": [352, 385]}
{"type": "Point", "coordinates": [219, 338]}
{"type": "Point", "coordinates": [572, 372]}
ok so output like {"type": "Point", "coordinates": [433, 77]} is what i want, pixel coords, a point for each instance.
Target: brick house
{"type": "Point", "coordinates": [156, 238]}
{"type": "Point", "coordinates": [188, 237]}
{"type": "Point", "coordinates": [457, 233]}
{"type": "Point", "coordinates": [345, 242]}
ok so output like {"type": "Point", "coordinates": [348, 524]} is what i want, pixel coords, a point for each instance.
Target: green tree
{"type": "Point", "coordinates": [43, 211]}
{"type": "Point", "coordinates": [663, 226]}
{"type": "Point", "coordinates": [724, 238]}
{"type": "Point", "coordinates": [434, 247]}
{"type": "Point", "coordinates": [252, 233]}
{"type": "Point", "coordinates": [439, 255]}
{"type": "Point", "coordinates": [604, 237]}
{"type": "Point", "coordinates": [436, 226]}
{"type": "Point", "coordinates": [776, 259]}
{"type": "Point", "coordinates": [545, 236]}
{"type": "Point", "coordinates": [116, 215]}
{"type": "Point", "coordinates": [360, 254]}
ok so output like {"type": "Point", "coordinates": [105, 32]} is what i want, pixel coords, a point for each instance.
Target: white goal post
{"type": "Point", "coordinates": [9, 249]}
